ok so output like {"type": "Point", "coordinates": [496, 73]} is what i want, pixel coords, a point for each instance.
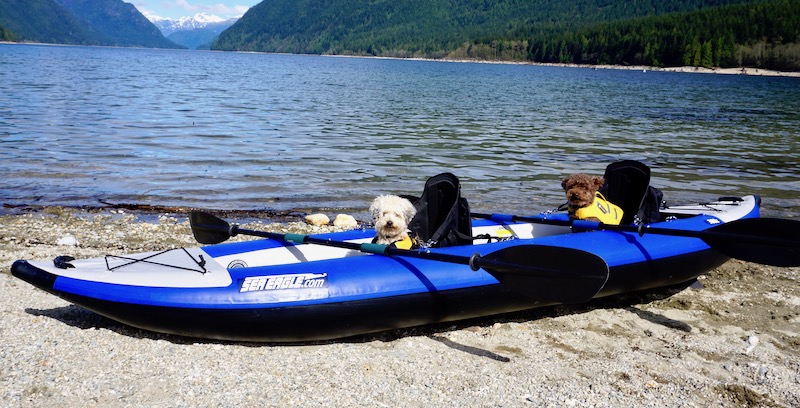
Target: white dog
{"type": "Point", "coordinates": [392, 214]}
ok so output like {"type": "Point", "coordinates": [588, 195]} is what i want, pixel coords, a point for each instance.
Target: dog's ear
{"type": "Point", "coordinates": [564, 183]}
{"type": "Point", "coordinates": [375, 208]}
{"type": "Point", "coordinates": [599, 181]}
{"type": "Point", "coordinates": [409, 211]}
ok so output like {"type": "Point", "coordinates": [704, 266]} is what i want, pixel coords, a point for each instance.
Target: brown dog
{"type": "Point", "coordinates": [584, 202]}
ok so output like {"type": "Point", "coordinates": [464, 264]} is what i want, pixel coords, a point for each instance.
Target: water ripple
{"type": "Point", "coordinates": [253, 131]}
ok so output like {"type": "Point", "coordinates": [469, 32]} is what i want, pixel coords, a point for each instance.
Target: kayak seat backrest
{"type": "Point", "coordinates": [443, 217]}
{"type": "Point", "coordinates": [626, 184]}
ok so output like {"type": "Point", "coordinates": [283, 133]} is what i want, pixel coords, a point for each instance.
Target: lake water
{"type": "Point", "coordinates": [81, 125]}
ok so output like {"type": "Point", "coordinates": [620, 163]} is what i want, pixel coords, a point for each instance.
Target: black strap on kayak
{"type": "Point", "coordinates": [201, 262]}
{"type": "Point", "coordinates": [626, 185]}
{"type": "Point", "coordinates": [63, 262]}
{"type": "Point", "coordinates": [442, 214]}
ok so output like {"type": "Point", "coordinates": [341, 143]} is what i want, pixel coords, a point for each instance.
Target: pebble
{"type": "Point", "coordinates": [752, 342]}
{"type": "Point", "coordinates": [345, 221]}
{"type": "Point", "coordinates": [67, 240]}
{"type": "Point", "coordinates": [762, 372]}
{"type": "Point", "coordinates": [317, 219]}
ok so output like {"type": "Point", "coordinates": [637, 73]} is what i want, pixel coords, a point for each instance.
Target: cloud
{"type": "Point", "coordinates": [185, 5]}
{"type": "Point", "coordinates": [143, 8]}
{"type": "Point", "coordinates": [218, 8]}
{"type": "Point", "coordinates": [236, 10]}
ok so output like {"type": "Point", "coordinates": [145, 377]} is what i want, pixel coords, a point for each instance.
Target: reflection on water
{"type": "Point", "coordinates": [254, 131]}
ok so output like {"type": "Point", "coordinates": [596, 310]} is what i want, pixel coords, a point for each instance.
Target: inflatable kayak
{"type": "Point", "coordinates": [288, 288]}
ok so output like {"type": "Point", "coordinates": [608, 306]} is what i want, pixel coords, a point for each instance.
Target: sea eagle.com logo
{"type": "Point", "coordinates": [277, 282]}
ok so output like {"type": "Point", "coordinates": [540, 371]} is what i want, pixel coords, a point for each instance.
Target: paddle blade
{"type": "Point", "coordinates": [768, 241]}
{"type": "Point", "coordinates": [548, 274]}
{"type": "Point", "coordinates": [208, 229]}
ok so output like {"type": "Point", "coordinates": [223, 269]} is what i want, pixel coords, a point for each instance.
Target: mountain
{"type": "Point", "coordinates": [196, 32]}
{"type": "Point", "coordinates": [117, 23]}
{"type": "Point", "coordinates": [196, 22]}
{"type": "Point", "coordinates": [42, 21]}
{"type": "Point", "coordinates": [83, 22]}
{"type": "Point", "coordinates": [198, 39]}
{"type": "Point", "coordinates": [432, 28]}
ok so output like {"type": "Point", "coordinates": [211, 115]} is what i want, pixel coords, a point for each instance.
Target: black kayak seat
{"type": "Point", "coordinates": [443, 217]}
{"type": "Point", "coordinates": [626, 184]}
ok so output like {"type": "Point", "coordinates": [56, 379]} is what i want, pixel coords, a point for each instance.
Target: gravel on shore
{"type": "Point", "coordinates": [735, 341]}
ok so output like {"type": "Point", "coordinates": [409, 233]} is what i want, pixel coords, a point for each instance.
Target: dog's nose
{"type": "Point", "coordinates": [389, 223]}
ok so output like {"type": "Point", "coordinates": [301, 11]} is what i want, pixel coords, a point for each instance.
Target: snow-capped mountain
{"type": "Point", "coordinates": [198, 21]}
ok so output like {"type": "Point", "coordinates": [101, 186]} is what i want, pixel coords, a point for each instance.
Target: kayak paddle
{"type": "Point", "coordinates": [544, 273]}
{"type": "Point", "coordinates": [768, 241]}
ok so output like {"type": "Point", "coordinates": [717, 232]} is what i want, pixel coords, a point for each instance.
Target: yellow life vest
{"type": "Point", "coordinates": [405, 243]}
{"type": "Point", "coordinates": [601, 209]}
{"type": "Point", "coordinates": [409, 242]}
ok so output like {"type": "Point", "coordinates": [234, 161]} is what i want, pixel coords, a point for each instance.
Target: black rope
{"type": "Point", "coordinates": [201, 263]}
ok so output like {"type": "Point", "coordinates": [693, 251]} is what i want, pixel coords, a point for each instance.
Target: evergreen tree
{"type": "Point", "coordinates": [709, 33]}
{"type": "Point", "coordinates": [706, 59]}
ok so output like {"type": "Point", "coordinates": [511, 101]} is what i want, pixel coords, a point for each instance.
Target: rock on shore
{"type": "Point", "coordinates": [735, 342]}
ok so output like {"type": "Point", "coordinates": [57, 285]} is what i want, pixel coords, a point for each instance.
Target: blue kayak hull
{"type": "Point", "coordinates": [353, 294]}
{"type": "Point", "coordinates": [327, 321]}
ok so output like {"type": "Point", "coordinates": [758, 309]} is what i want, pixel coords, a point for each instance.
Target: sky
{"type": "Point", "coordinates": [176, 9]}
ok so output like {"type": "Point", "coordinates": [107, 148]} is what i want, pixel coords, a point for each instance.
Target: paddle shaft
{"type": "Point", "coordinates": [361, 247]}
{"type": "Point", "coordinates": [639, 229]}
{"type": "Point", "coordinates": [588, 225]}
{"type": "Point", "coordinates": [475, 261]}
{"type": "Point", "coordinates": [769, 241]}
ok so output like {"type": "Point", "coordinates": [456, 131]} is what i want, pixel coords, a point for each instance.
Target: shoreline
{"type": "Point", "coordinates": [733, 340]}
{"type": "Point", "coordinates": [701, 70]}
{"type": "Point", "coordinates": [644, 68]}
{"type": "Point", "coordinates": [149, 212]}
{"type": "Point", "coordinates": [685, 69]}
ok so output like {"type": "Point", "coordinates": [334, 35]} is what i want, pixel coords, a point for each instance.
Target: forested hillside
{"type": "Point", "coordinates": [424, 28]}
{"type": "Point", "coordinates": [42, 21]}
{"type": "Point", "coordinates": [81, 22]}
{"type": "Point", "coordinates": [117, 23]}
{"type": "Point", "coordinates": [760, 33]}
{"type": "Point", "coordinates": [6, 35]}
{"type": "Point", "coordinates": [198, 39]}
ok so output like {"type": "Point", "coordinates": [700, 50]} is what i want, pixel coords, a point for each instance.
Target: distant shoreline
{"type": "Point", "coordinates": [699, 70]}
{"type": "Point", "coordinates": [643, 68]}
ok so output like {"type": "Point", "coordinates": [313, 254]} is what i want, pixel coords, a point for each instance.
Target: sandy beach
{"type": "Point", "coordinates": [644, 68]}
{"type": "Point", "coordinates": [734, 340]}
{"type": "Point", "coordinates": [697, 70]}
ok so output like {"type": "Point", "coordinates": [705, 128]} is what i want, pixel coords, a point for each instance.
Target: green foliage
{"type": "Point", "coordinates": [42, 21]}
{"type": "Point", "coordinates": [6, 35]}
{"type": "Point", "coordinates": [432, 28]}
{"type": "Point", "coordinates": [114, 22]}
{"type": "Point", "coordinates": [709, 33]}
{"type": "Point", "coordinates": [498, 50]}
{"type": "Point", "coordinates": [760, 34]}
